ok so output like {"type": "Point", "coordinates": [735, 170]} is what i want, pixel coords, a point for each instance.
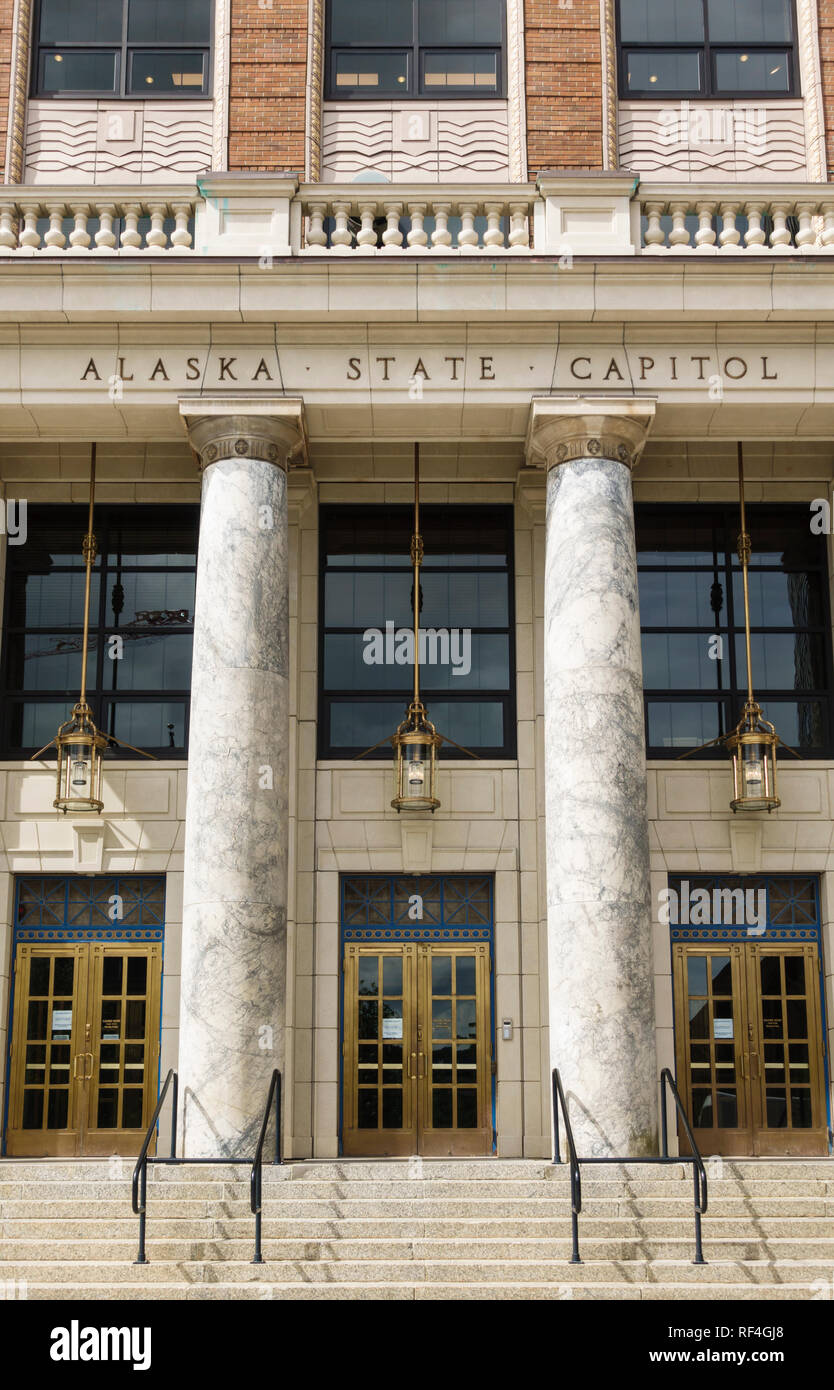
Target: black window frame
{"type": "Point", "coordinates": [414, 90]}
{"type": "Point", "coordinates": [326, 751]}
{"type": "Point", "coordinates": [733, 696]}
{"type": "Point", "coordinates": [124, 53]}
{"type": "Point", "coordinates": [98, 697]}
{"type": "Point", "coordinates": [707, 52]}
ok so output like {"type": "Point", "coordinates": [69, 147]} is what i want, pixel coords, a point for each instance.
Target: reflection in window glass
{"type": "Point", "coordinates": [366, 640]}
{"type": "Point", "coordinates": [661, 21]}
{"type": "Point", "coordinates": [752, 72]}
{"type": "Point", "coordinates": [77, 70]}
{"type": "Point", "coordinates": [692, 621]}
{"type": "Point", "coordinates": [749, 21]}
{"type": "Point", "coordinates": [141, 617]}
{"type": "Point", "coordinates": [374, 73]}
{"type": "Point", "coordinates": [663, 72]}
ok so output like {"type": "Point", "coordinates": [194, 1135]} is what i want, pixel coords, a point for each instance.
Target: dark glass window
{"type": "Point", "coordinates": [467, 658]}
{"type": "Point", "coordinates": [123, 48]}
{"type": "Point", "coordinates": [141, 626]}
{"type": "Point", "coordinates": [692, 620]}
{"type": "Point", "coordinates": [692, 48]}
{"type": "Point", "coordinates": [414, 48]}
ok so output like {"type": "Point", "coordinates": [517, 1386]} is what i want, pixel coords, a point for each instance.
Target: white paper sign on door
{"type": "Point", "coordinates": [392, 1028]}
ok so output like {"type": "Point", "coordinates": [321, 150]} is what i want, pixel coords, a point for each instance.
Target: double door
{"type": "Point", "coordinates": [750, 1047]}
{"type": "Point", "coordinates": [85, 1048]}
{"type": "Point", "coordinates": [417, 1051]}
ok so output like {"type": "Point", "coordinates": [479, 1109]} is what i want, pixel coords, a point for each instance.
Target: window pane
{"type": "Point", "coordinates": [800, 723]}
{"type": "Point", "coordinates": [77, 70]}
{"type": "Point", "coordinates": [158, 21]}
{"type": "Point", "coordinates": [371, 21]}
{"type": "Point", "coordinates": [780, 600]}
{"type": "Point", "coordinates": [662, 21]}
{"type": "Point", "coordinates": [150, 600]}
{"type": "Point", "coordinates": [478, 71]}
{"type": "Point", "coordinates": [678, 599]}
{"type": "Point", "coordinates": [81, 21]}
{"type": "Point", "coordinates": [461, 21]}
{"type": "Point", "coordinates": [49, 662]}
{"type": "Point", "coordinates": [50, 600]}
{"type": "Point", "coordinates": [149, 724]}
{"type": "Point", "coordinates": [679, 538]}
{"type": "Point", "coordinates": [684, 724]}
{"type": "Point", "coordinates": [749, 21]}
{"type": "Point", "coordinates": [783, 661]}
{"type": "Point", "coordinates": [167, 72]}
{"type": "Point", "coordinates": [663, 72]}
{"type": "Point", "coordinates": [752, 72]}
{"type": "Point", "coordinates": [147, 663]}
{"type": "Point", "coordinates": [681, 661]}
{"type": "Point", "coordinates": [454, 662]}
{"type": "Point", "coordinates": [373, 73]}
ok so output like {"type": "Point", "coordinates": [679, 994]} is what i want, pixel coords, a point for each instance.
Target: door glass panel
{"type": "Point", "coordinates": [441, 975]}
{"type": "Point", "coordinates": [137, 974]}
{"type": "Point", "coordinates": [111, 982]}
{"type": "Point", "coordinates": [712, 1011]}
{"type": "Point", "coordinates": [39, 976]}
{"type": "Point", "coordinates": [392, 975]}
{"type": "Point", "coordinates": [794, 975]}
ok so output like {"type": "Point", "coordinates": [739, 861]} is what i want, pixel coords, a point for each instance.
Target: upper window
{"type": "Point", "coordinates": [141, 625]}
{"type": "Point", "coordinates": [704, 48]}
{"type": "Point", "coordinates": [137, 48]}
{"type": "Point", "coordinates": [415, 48]}
{"type": "Point", "coordinates": [467, 660]}
{"type": "Point", "coordinates": [692, 619]}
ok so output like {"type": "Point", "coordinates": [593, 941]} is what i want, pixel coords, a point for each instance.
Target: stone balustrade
{"type": "Point", "coordinates": [39, 221]}
{"type": "Point", "coordinates": [416, 219]}
{"type": "Point", "coordinates": [722, 219]}
{"type": "Point", "coordinates": [272, 216]}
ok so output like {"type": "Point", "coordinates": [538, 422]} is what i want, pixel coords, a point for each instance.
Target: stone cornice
{"type": "Point", "coordinates": [562, 431]}
{"type": "Point", "coordinates": [271, 430]}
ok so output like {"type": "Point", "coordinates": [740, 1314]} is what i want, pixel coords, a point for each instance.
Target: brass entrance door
{"type": "Point", "coordinates": [417, 1050]}
{"type": "Point", "coordinates": [750, 1049]}
{"type": "Point", "coordinates": [85, 1048]}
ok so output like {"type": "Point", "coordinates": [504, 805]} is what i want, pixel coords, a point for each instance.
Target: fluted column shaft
{"type": "Point", "coordinates": [599, 920]}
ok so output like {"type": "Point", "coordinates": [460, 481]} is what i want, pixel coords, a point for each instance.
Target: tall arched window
{"type": "Point", "coordinates": [122, 48]}
{"type": "Point", "coordinates": [415, 48]}
{"type": "Point", "coordinates": [707, 48]}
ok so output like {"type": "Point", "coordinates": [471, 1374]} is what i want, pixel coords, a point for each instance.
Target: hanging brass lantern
{"type": "Point", "coordinates": [753, 742]}
{"type": "Point", "coordinates": [79, 743]}
{"type": "Point", "coordinates": [416, 742]}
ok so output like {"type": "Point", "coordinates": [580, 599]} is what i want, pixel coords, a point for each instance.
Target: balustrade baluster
{"type": "Point", "coordinates": [679, 237]}
{"type": "Point", "coordinates": [729, 236]}
{"type": "Point", "coordinates": [705, 235]}
{"type": "Point", "coordinates": [157, 238]}
{"type": "Point", "coordinates": [441, 236]}
{"type": "Point", "coordinates": [8, 237]}
{"type": "Point", "coordinates": [467, 236]}
{"type": "Point", "coordinates": [366, 237]}
{"type": "Point", "coordinates": [54, 240]}
{"type": "Point", "coordinates": [494, 234]}
{"type": "Point", "coordinates": [105, 237]}
{"type": "Point", "coordinates": [392, 237]}
{"type": "Point", "coordinates": [519, 237]}
{"type": "Point", "coordinates": [780, 237]}
{"type": "Point", "coordinates": [654, 236]}
{"type": "Point", "coordinates": [30, 237]}
{"type": "Point", "coordinates": [316, 235]}
{"type": "Point", "coordinates": [79, 238]}
{"type": "Point", "coordinates": [131, 238]}
{"type": "Point", "coordinates": [755, 238]}
{"type": "Point", "coordinates": [180, 237]}
{"type": "Point", "coordinates": [417, 238]}
{"type": "Point", "coordinates": [806, 237]}
{"type": "Point", "coordinates": [341, 238]}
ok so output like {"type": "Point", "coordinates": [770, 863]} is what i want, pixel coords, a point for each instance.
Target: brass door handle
{"type": "Point", "coordinates": [421, 1071]}
{"type": "Point", "coordinates": [88, 1075]}
{"type": "Point", "coordinates": [76, 1059]}
{"type": "Point", "coordinates": [744, 1066]}
{"type": "Point", "coordinates": [411, 1072]}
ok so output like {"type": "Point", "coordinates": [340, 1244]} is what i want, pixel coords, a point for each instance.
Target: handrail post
{"type": "Point", "coordinates": [278, 1119]}
{"type": "Point", "coordinates": [141, 1258]}
{"type": "Point", "coordinates": [557, 1155]}
{"type": "Point", "coordinates": [174, 1100]}
{"type": "Point", "coordinates": [699, 1251]}
{"type": "Point", "coordinates": [664, 1118]}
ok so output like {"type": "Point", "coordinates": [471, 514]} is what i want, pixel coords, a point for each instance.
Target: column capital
{"type": "Point", "coordinates": [270, 428]}
{"type": "Point", "coordinates": [561, 431]}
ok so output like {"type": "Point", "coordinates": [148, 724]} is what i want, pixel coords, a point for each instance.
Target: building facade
{"type": "Point", "coordinates": [579, 253]}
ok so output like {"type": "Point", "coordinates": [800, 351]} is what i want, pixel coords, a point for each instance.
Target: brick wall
{"type": "Point", "coordinates": [564, 84]}
{"type": "Point", "coordinates": [6, 12]}
{"type": "Point", "coordinates": [826, 28]}
{"type": "Point", "coordinates": [267, 76]}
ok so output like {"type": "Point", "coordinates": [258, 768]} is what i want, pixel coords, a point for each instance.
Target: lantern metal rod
{"type": "Point", "coordinates": [88, 550]}
{"type": "Point", "coordinates": [745, 550]}
{"type": "Point", "coordinates": [416, 559]}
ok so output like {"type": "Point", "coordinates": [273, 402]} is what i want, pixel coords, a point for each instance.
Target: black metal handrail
{"type": "Point", "coordinates": [699, 1172]}
{"type": "Point", "coordinates": [140, 1172]}
{"type": "Point", "coordinates": [256, 1176]}
{"type": "Point", "coordinates": [575, 1172]}
{"type": "Point", "coordinates": [139, 1188]}
{"type": "Point", "coordinates": [698, 1169]}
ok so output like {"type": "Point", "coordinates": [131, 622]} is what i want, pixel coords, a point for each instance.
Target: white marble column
{"type": "Point", "coordinates": [600, 966]}
{"type": "Point", "coordinates": [235, 883]}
